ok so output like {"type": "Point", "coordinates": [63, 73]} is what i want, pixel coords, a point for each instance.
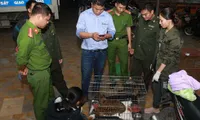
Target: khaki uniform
{"type": "Point", "coordinates": [119, 46]}
{"type": "Point", "coordinates": [34, 55]}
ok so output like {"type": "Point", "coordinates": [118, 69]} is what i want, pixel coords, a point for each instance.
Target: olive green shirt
{"type": "Point", "coordinates": [170, 44]}
{"type": "Point", "coordinates": [146, 36]}
{"type": "Point", "coordinates": [121, 22]}
{"type": "Point", "coordinates": [51, 41]}
{"type": "Point", "coordinates": [32, 50]}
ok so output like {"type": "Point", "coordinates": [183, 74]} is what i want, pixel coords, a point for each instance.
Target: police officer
{"type": "Point", "coordinates": [52, 43]}
{"type": "Point", "coordinates": [168, 57]}
{"type": "Point", "coordinates": [119, 46]}
{"type": "Point", "coordinates": [145, 42]}
{"type": "Point", "coordinates": [34, 60]}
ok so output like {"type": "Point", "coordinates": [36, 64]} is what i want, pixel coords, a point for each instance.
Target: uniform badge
{"type": "Point", "coordinates": [35, 30]}
{"type": "Point", "coordinates": [151, 26]}
{"type": "Point", "coordinates": [111, 11]}
{"type": "Point", "coordinates": [30, 32]}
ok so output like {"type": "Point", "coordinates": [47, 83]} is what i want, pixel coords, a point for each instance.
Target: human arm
{"type": "Point", "coordinates": [59, 51]}
{"type": "Point", "coordinates": [24, 46]}
{"type": "Point", "coordinates": [158, 32]}
{"type": "Point", "coordinates": [81, 31]}
{"type": "Point", "coordinates": [158, 72]}
{"type": "Point", "coordinates": [136, 30]}
{"type": "Point", "coordinates": [110, 29]}
{"type": "Point", "coordinates": [128, 29]}
{"type": "Point", "coordinates": [170, 51]}
{"type": "Point", "coordinates": [57, 45]}
{"type": "Point", "coordinates": [129, 33]}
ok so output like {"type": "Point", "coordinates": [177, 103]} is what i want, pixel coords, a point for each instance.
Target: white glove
{"type": "Point", "coordinates": [156, 76]}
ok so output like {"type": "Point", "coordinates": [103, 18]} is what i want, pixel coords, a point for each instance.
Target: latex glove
{"type": "Point", "coordinates": [156, 76]}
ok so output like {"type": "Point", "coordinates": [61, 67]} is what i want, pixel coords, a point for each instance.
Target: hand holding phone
{"type": "Point", "coordinates": [101, 35]}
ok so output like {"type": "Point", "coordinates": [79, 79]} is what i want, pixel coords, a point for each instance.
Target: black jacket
{"type": "Point", "coordinates": [73, 114]}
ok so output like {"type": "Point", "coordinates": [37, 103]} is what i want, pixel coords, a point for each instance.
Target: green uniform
{"type": "Point", "coordinates": [170, 44]}
{"type": "Point", "coordinates": [146, 37]}
{"type": "Point", "coordinates": [169, 51]}
{"type": "Point", "coordinates": [144, 45]}
{"type": "Point", "coordinates": [51, 41]}
{"type": "Point", "coordinates": [34, 55]}
{"type": "Point", "coordinates": [118, 46]}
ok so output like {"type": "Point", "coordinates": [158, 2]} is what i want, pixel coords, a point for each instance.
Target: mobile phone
{"type": "Point", "coordinates": [101, 35]}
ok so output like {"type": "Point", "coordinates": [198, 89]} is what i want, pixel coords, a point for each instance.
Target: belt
{"type": "Point", "coordinates": [98, 50]}
{"type": "Point", "coordinates": [121, 37]}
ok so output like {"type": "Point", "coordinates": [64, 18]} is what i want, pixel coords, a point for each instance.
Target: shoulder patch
{"type": "Point", "coordinates": [35, 30]}
{"type": "Point", "coordinates": [30, 32]}
{"type": "Point", "coordinates": [127, 11]}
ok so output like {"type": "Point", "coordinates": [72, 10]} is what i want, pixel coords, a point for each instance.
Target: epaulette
{"type": "Point", "coordinates": [111, 11]}
{"type": "Point", "coordinates": [35, 30]}
{"type": "Point", "coordinates": [30, 32]}
{"type": "Point", "coordinates": [127, 11]}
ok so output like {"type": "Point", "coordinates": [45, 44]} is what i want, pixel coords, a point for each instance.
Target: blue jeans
{"type": "Point", "coordinates": [92, 60]}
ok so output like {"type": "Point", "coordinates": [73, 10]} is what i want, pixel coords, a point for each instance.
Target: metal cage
{"type": "Point", "coordinates": [116, 97]}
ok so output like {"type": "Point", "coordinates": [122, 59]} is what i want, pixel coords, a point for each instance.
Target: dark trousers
{"type": "Point", "coordinates": [142, 67]}
{"type": "Point", "coordinates": [57, 78]}
{"type": "Point", "coordinates": [92, 60]}
{"type": "Point", "coordinates": [159, 89]}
